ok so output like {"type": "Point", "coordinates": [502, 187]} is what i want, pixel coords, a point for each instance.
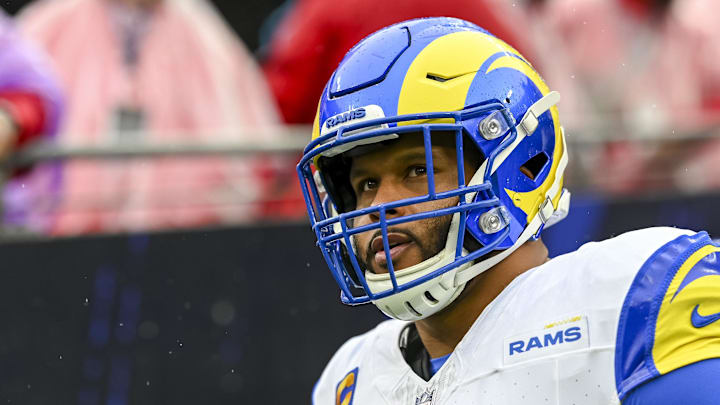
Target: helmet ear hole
{"type": "Point", "coordinates": [470, 243]}
{"type": "Point", "coordinates": [534, 165]}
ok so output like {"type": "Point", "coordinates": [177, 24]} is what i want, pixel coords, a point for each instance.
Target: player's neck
{"type": "Point", "coordinates": [441, 332]}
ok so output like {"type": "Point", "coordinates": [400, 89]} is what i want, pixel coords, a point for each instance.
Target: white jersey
{"type": "Point", "coordinates": [583, 328]}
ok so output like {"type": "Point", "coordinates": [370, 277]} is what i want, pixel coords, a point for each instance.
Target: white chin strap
{"type": "Point", "coordinates": [437, 293]}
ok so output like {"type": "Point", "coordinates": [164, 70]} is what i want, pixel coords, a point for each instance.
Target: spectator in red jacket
{"type": "Point", "coordinates": [316, 34]}
{"type": "Point", "coordinates": [22, 118]}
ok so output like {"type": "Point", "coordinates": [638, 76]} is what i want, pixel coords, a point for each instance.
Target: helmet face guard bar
{"type": "Point", "coordinates": [334, 230]}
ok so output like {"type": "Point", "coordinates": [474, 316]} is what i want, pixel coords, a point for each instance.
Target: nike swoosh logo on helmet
{"type": "Point", "coordinates": [700, 321]}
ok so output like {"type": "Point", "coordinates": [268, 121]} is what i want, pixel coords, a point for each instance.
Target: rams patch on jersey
{"type": "Point", "coordinates": [556, 337]}
{"type": "Point", "coordinates": [345, 390]}
{"type": "Point", "coordinates": [670, 315]}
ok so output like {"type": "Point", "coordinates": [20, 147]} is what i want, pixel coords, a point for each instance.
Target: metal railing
{"type": "Point", "coordinates": [591, 164]}
{"type": "Point", "coordinates": [286, 140]}
{"type": "Point", "coordinates": [292, 139]}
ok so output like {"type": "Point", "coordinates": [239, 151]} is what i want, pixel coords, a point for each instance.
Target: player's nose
{"type": "Point", "coordinates": [387, 192]}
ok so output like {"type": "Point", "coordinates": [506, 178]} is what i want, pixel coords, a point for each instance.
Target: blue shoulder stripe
{"type": "Point", "coordinates": [694, 384]}
{"type": "Point", "coordinates": [634, 362]}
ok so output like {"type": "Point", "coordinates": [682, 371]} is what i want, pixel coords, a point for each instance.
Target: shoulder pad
{"type": "Point", "coordinates": [670, 313]}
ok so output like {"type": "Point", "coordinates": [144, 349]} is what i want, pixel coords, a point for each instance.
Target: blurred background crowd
{"type": "Point", "coordinates": [95, 95]}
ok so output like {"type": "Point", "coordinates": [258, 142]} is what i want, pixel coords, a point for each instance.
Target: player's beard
{"type": "Point", "coordinates": [431, 242]}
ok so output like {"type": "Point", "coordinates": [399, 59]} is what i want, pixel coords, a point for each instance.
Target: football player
{"type": "Point", "coordinates": [436, 162]}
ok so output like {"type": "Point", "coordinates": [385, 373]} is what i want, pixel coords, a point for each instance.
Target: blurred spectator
{"type": "Point", "coordinates": [695, 33]}
{"type": "Point", "coordinates": [160, 71]}
{"type": "Point", "coordinates": [315, 35]}
{"type": "Point", "coordinates": [555, 65]}
{"type": "Point", "coordinates": [30, 108]}
{"type": "Point", "coordinates": [647, 60]}
{"type": "Point", "coordinates": [645, 68]}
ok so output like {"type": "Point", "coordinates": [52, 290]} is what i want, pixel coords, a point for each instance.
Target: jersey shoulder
{"type": "Point", "coordinates": [630, 246]}
{"type": "Point", "coordinates": [608, 267]}
{"type": "Point", "coordinates": [669, 315]}
{"type": "Point", "coordinates": [339, 380]}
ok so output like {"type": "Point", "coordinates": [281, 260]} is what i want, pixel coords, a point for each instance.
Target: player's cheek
{"type": "Point", "coordinates": [446, 180]}
{"type": "Point", "coordinates": [361, 242]}
{"type": "Point", "coordinates": [360, 221]}
{"type": "Point", "coordinates": [438, 204]}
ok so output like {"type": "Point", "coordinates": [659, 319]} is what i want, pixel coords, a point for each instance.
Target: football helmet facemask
{"type": "Point", "coordinates": [435, 77]}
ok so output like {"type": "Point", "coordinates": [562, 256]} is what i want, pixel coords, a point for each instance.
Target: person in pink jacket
{"type": "Point", "coordinates": [159, 71]}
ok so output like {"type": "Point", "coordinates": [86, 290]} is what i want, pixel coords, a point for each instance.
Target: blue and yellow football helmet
{"type": "Point", "coordinates": [436, 77]}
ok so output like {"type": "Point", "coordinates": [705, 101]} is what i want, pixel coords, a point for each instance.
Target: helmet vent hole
{"type": "Point", "coordinates": [436, 78]}
{"type": "Point", "coordinates": [507, 100]}
{"type": "Point", "coordinates": [430, 298]}
{"type": "Point", "coordinates": [534, 165]}
{"type": "Point", "coordinates": [411, 309]}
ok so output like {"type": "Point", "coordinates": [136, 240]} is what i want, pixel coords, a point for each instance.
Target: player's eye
{"type": "Point", "coordinates": [367, 185]}
{"type": "Point", "coordinates": [417, 171]}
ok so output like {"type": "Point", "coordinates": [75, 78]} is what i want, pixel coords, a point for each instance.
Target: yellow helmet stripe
{"type": "Point", "coordinates": [439, 58]}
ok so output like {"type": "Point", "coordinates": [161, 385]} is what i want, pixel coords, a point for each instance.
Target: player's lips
{"type": "Point", "coordinates": [398, 242]}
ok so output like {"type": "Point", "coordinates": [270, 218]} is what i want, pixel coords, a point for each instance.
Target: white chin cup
{"type": "Point", "coordinates": [425, 299]}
